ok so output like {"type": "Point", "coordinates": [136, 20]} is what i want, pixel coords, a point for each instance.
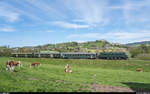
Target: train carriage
{"type": "Point", "coordinates": [47, 54]}
{"type": "Point", "coordinates": [78, 55]}
{"type": "Point", "coordinates": [29, 55]}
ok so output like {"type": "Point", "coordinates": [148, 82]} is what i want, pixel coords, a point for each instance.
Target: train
{"type": "Point", "coordinates": [75, 55]}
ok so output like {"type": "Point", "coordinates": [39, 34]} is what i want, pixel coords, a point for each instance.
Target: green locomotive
{"type": "Point", "coordinates": [113, 55]}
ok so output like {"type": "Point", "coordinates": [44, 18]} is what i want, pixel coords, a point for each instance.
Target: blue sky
{"type": "Point", "coordinates": [38, 22]}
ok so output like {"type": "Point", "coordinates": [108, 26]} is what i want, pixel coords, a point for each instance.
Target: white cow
{"type": "Point", "coordinates": [67, 68]}
{"type": "Point", "coordinates": [10, 65]}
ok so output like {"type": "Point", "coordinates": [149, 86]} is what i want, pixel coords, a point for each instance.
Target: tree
{"type": "Point", "coordinates": [144, 48]}
{"type": "Point", "coordinates": [135, 51]}
{"type": "Point", "coordinates": [6, 52]}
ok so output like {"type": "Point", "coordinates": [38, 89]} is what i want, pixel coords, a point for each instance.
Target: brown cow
{"type": "Point", "coordinates": [35, 64]}
{"type": "Point", "coordinates": [10, 65]}
{"type": "Point", "coordinates": [67, 69]}
{"type": "Point", "coordinates": [15, 63]}
{"type": "Point", "coordinates": [139, 69]}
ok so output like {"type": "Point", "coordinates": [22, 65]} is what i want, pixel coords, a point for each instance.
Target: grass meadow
{"type": "Point", "coordinates": [50, 76]}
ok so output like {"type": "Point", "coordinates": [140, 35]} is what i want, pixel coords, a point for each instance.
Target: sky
{"type": "Point", "coordinates": [39, 22]}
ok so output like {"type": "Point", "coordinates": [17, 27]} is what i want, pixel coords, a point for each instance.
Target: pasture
{"type": "Point", "coordinates": [50, 76]}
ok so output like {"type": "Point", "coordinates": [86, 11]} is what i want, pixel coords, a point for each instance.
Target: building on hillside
{"type": "Point", "coordinates": [115, 44]}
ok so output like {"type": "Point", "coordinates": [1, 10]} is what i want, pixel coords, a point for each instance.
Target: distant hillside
{"type": "Point", "coordinates": [90, 46]}
{"type": "Point", "coordinates": [138, 43]}
{"type": "Point", "coordinates": [76, 45]}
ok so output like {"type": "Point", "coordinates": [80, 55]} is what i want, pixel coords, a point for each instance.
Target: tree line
{"type": "Point", "coordinates": [142, 50]}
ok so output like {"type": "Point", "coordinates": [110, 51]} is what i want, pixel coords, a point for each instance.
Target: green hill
{"type": "Point", "coordinates": [90, 46]}
{"type": "Point", "coordinates": [75, 46]}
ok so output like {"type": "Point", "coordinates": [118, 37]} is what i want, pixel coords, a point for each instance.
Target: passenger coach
{"type": "Point", "coordinates": [78, 55]}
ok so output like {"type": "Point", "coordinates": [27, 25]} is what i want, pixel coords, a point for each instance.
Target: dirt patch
{"type": "Point", "coordinates": [103, 88]}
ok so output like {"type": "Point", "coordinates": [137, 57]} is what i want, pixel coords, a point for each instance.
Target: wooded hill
{"type": "Point", "coordinates": [79, 47]}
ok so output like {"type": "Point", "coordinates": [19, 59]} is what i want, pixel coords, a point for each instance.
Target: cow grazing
{"type": "Point", "coordinates": [67, 66]}
{"type": "Point", "coordinates": [35, 64]}
{"type": "Point", "coordinates": [139, 69]}
{"type": "Point", "coordinates": [17, 64]}
{"type": "Point", "coordinates": [10, 65]}
{"type": "Point", "coordinates": [67, 69]}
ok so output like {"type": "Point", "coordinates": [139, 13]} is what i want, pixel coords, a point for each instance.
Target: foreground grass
{"type": "Point", "coordinates": [50, 76]}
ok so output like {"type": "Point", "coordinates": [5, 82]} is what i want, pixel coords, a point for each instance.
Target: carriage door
{"type": "Point", "coordinates": [91, 56]}
{"type": "Point", "coordinates": [51, 55]}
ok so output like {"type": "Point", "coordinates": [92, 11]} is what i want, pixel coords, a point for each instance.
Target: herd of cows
{"type": "Point", "coordinates": [10, 66]}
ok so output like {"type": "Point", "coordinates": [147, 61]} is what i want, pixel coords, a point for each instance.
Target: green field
{"type": "Point", "coordinates": [50, 76]}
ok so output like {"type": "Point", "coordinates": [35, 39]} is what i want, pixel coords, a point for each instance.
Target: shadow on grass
{"type": "Point", "coordinates": [15, 71]}
{"type": "Point", "coordinates": [138, 87]}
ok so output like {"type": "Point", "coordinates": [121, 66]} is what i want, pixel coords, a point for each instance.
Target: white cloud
{"type": "Point", "coordinates": [12, 13]}
{"type": "Point", "coordinates": [89, 11]}
{"type": "Point", "coordinates": [83, 11]}
{"type": "Point", "coordinates": [81, 41]}
{"type": "Point", "coordinates": [85, 35]}
{"type": "Point", "coordinates": [69, 25]}
{"type": "Point", "coordinates": [47, 8]}
{"type": "Point", "coordinates": [7, 29]}
{"type": "Point", "coordinates": [133, 11]}
{"type": "Point", "coordinates": [128, 35]}
{"type": "Point", "coordinates": [119, 36]}
{"type": "Point", "coordinates": [9, 15]}
{"type": "Point", "coordinates": [79, 20]}
{"type": "Point", "coordinates": [49, 31]}
{"type": "Point", "coordinates": [139, 40]}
